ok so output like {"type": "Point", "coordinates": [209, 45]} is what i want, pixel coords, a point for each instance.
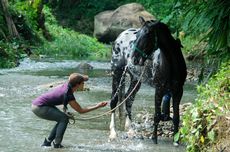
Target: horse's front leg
{"type": "Point", "coordinates": [113, 134]}
{"type": "Point", "coordinates": [157, 115]}
{"type": "Point", "coordinates": [176, 113]}
{"type": "Point", "coordinates": [116, 78]}
{"type": "Point", "coordinates": [130, 95]}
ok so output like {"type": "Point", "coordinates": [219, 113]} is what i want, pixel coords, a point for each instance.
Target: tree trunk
{"type": "Point", "coordinates": [10, 23]}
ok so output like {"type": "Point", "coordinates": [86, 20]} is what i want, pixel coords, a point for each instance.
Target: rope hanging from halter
{"type": "Point", "coordinates": [71, 116]}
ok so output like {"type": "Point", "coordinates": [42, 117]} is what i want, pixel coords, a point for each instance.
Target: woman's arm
{"type": "Point", "coordinates": [79, 109]}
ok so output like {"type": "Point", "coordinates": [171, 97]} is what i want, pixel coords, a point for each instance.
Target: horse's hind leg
{"type": "Point", "coordinates": [176, 112]}
{"type": "Point", "coordinates": [130, 95]}
{"type": "Point", "coordinates": [157, 115]}
{"type": "Point", "coordinates": [116, 77]}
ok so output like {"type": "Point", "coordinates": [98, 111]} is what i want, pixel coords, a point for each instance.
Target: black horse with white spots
{"type": "Point", "coordinates": [167, 69]}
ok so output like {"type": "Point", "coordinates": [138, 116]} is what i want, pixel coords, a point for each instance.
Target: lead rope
{"type": "Point", "coordinates": [71, 116]}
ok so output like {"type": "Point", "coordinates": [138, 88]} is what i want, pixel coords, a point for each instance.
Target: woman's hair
{"type": "Point", "coordinates": [76, 78]}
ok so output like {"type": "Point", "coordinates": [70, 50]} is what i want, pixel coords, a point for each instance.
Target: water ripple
{"type": "Point", "coordinates": [31, 65]}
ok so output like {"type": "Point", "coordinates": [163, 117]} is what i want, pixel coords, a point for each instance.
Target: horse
{"type": "Point", "coordinates": [167, 70]}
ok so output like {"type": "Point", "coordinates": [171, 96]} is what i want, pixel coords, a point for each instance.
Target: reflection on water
{"type": "Point", "coordinates": [22, 131]}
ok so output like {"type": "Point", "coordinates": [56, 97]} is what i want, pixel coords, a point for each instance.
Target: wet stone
{"type": "Point", "coordinates": [84, 65]}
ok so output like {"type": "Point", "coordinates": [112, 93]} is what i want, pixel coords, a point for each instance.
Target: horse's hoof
{"type": "Point", "coordinates": [154, 140]}
{"type": "Point", "coordinates": [176, 144]}
{"type": "Point", "coordinates": [110, 140]}
{"type": "Point", "coordinates": [112, 137]}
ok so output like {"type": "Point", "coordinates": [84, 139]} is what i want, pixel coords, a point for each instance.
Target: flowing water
{"type": "Point", "coordinates": [22, 131]}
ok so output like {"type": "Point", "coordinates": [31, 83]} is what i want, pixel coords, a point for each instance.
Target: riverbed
{"type": "Point", "coordinates": [22, 131]}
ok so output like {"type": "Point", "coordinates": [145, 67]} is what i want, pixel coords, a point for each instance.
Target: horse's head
{"type": "Point", "coordinates": [145, 43]}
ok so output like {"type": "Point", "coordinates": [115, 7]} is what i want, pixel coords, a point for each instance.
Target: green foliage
{"type": "Point", "coordinates": [27, 10]}
{"type": "Point", "coordinates": [71, 44]}
{"type": "Point", "coordinates": [199, 121]}
{"type": "Point", "coordinates": [8, 54]}
{"type": "Point", "coordinates": [189, 45]}
{"type": "Point", "coordinates": [211, 20]}
{"type": "Point", "coordinates": [160, 9]}
{"type": "Point", "coordinates": [79, 16]}
{"type": "Point", "coordinates": [65, 42]}
{"type": "Point", "coordinates": [26, 15]}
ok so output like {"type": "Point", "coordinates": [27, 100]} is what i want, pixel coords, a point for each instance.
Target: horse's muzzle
{"type": "Point", "coordinates": [138, 61]}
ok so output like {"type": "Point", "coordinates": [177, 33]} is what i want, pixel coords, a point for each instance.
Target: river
{"type": "Point", "coordinates": [22, 131]}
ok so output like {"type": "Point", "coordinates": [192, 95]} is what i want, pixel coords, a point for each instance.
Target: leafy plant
{"type": "Point", "coordinates": [199, 122]}
{"type": "Point", "coordinates": [71, 44]}
{"type": "Point", "coordinates": [9, 54]}
{"type": "Point", "coordinates": [209, 19]}
{"type": "Point", "coordinates": [27, 10]}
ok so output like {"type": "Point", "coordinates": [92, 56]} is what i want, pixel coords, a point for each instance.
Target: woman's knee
{"type": "Point", "coordinates": [64, 118]}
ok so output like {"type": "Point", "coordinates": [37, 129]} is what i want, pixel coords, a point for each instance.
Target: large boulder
{"type": "Point", "coordinates": [109, 24]}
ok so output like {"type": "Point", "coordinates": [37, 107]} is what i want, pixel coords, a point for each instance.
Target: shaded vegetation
{"type": "Point", "coordinates": [70, 44]}
{"type": "Point", "coordinates": [203, 127]}
{"type": "Point", "coordinates": [210, 22]}
{"type": "Point", "coordinates": [40, 33]}
{"type": "Point", "coordinates": [79, 15]}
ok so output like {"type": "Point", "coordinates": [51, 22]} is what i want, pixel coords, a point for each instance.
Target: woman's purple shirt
{"type": "Point", "coordinates": [54, 97]}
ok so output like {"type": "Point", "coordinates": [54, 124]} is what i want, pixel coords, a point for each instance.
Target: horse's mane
{"type": "Point", "coordinates": [164, 30]}
{"type": "Point", "coordinates": [173, 45]}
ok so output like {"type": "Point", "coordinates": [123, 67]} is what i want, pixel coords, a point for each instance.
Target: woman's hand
{"type": "Point", "coordinates": [102, 104]}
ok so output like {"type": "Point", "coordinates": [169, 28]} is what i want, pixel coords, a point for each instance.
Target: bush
{"type": "Point", "coordinates": [199, 129]}
{"type": "Point", "coordinates": [9, 53]}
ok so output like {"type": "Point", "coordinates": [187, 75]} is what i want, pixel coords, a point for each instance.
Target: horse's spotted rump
{"type": "Point", "coordinates": [123, 46]}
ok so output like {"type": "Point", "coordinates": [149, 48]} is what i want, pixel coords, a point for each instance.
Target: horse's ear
{"type": "Point", "coordinates": [142, 20]}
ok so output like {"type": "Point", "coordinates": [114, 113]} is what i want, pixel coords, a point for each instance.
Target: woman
{"type": "Point", "coordinates": [44, 107]}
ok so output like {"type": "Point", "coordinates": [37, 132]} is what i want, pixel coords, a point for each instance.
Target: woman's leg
{"type": "Point", "coordinates": [166, 107]}
{"type": "Point", "coordinates": [53, 114]}
{"type": "Point", "coordinates": [53, 133]}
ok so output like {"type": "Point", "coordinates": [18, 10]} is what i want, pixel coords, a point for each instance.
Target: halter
{"type": "Point", "coordinates": [142, 53]}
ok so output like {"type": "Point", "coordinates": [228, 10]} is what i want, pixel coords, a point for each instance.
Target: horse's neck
{"type": "Point", "coordinates": [170, 63]}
